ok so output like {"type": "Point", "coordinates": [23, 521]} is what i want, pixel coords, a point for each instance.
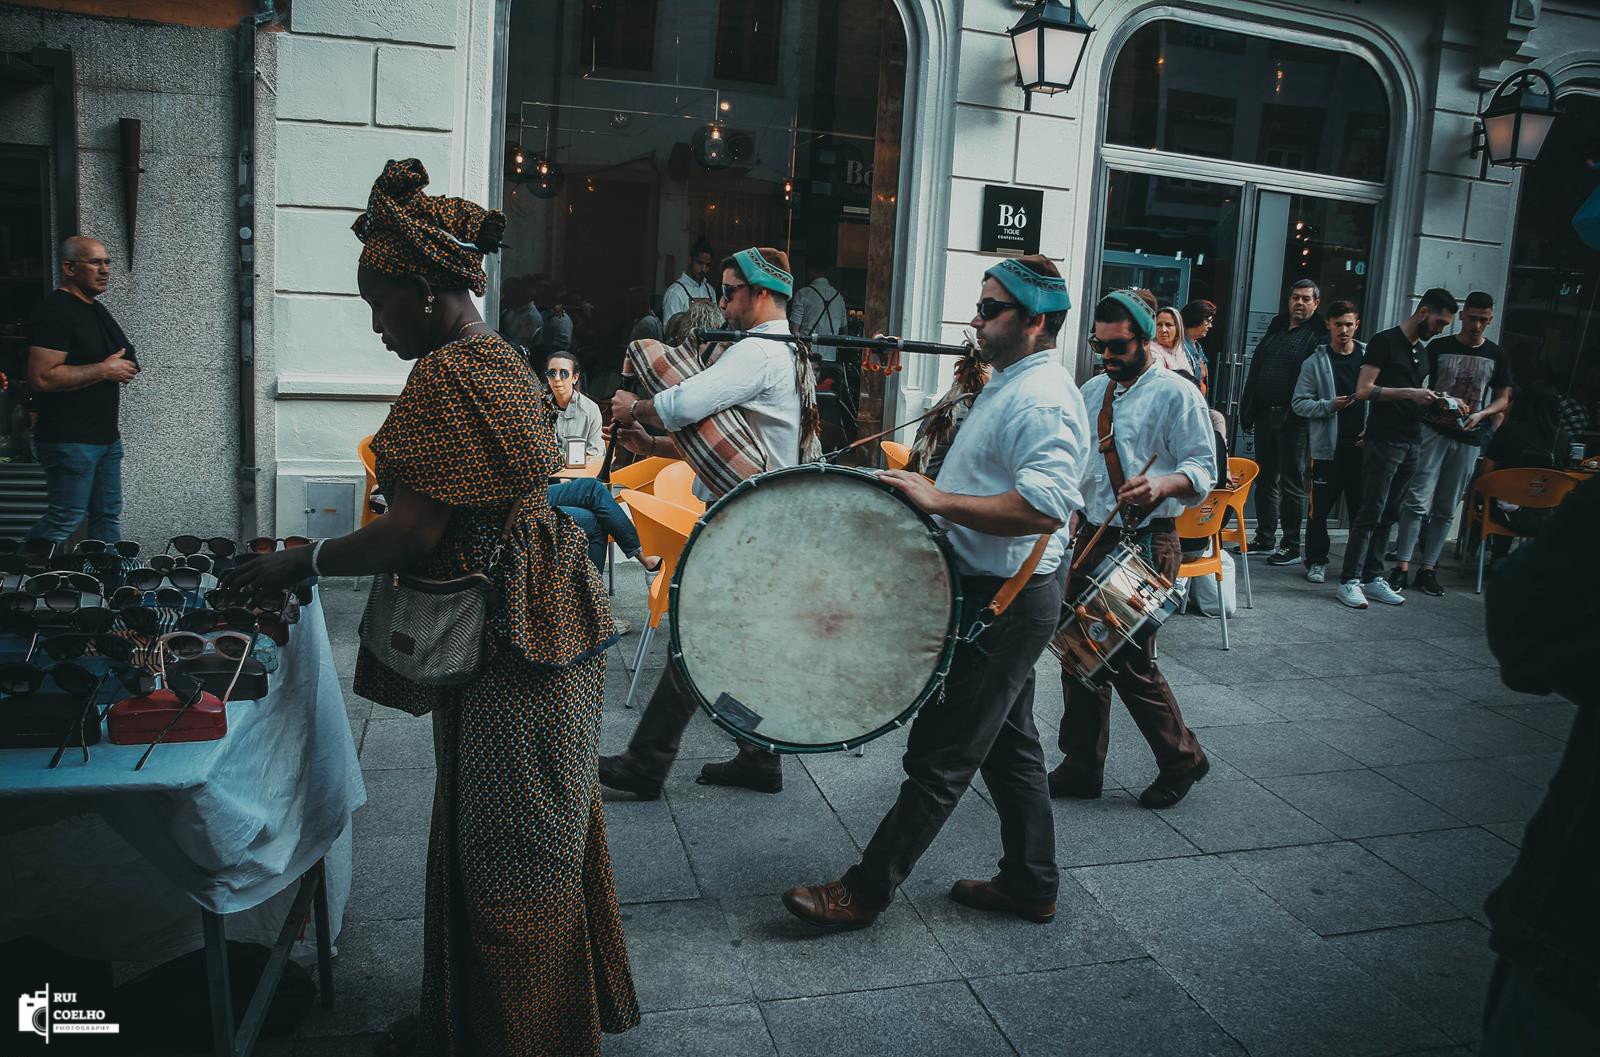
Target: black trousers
{"type": "Point", "coordinates": [656, 739]}
{"type": "Point", "coordinates": [1281, 441]}
{"type": "Point", "coordinates": [1386, 467]}
{"type": "Point", "coordinates": [983, 721]}
{"type": "Point", "coordinates": [1331, 480]}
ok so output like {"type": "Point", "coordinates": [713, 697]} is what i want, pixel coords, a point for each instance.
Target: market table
{"type": "Point", "coordinates": [108, 862]}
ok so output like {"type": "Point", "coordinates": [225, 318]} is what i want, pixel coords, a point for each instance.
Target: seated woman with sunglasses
{"type": "Point", "coordinates": [523, 937]}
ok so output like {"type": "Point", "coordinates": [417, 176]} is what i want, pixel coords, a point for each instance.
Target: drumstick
{"type": "Point", "coordinates": [1115, 514]}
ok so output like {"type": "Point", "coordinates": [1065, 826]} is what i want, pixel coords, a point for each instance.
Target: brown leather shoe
{"type": "Point", "coordinates": [986, 895]}
{"type": "Point", "coordinates": [1067, 780]}
{"type": "Point", "coordinates": [1167, 790]}
{"type": "Point", "coordinates": [619, 772]}
{"type": "Point", "coordinates": [830, 906]}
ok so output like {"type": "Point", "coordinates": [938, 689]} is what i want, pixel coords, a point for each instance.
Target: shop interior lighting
{"type": "Point", "coordinates": [1512, 130]}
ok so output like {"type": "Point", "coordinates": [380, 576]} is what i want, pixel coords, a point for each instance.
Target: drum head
{"type": "Point", "coordinates": [814, 608]}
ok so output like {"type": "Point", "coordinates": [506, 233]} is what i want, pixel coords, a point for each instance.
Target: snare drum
{"type": "Point", "coordinates": [814, 608]}
{"type": "Point", "coordinates": [1114, 617]}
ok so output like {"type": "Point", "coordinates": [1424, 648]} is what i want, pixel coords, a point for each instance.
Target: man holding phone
{"type": "Point", "coordinates": [78, 361]}
{"type": "Point", "coordinates": [1325, 396]}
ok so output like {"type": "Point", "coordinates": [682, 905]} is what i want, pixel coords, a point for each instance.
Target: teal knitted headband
{"type": "Point", "coordinates": [758, 271]}
{"type": "Point", "coordinates": [1039, 294]}
{"type": "Point", "coordinates": [1144, 321]}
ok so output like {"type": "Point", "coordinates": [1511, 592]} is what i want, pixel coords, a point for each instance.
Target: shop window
{"type": "Point", "coordinates": [1187, 89]}
{"type": "Point", "coordinates": [619, 34]}
{"type": "Point", "coordinates": [748, 40]}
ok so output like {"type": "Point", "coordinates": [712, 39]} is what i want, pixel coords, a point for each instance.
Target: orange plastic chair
{"type": "Point", "coordinates": [897, 455]}
{"type": "Point", "coordinates": [1245, 470]}
{"type": "Point", "coordinates": [369, 465]}
{"type": "Point", "coordinates": [1535, 488]}
{"type": "Point", "coordinates": [640, 476]}
{"type": "Point", "coordinates": [1204, 522]}
{"type": "Point", "coordinates": [663, 530]}
{"type": "Point", "coordinates": [675, 484]}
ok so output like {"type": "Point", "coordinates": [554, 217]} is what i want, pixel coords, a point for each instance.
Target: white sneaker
{"type": "Point", "coordinates": [1380, 590]}
{"type": "Point", "coordinates": [1317, 574]}
{"type": "Point", "coordinates": [1350, 594]}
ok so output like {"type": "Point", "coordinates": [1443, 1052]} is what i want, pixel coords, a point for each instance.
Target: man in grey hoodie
{"type": "Point", "coordinates": [1324, 395]}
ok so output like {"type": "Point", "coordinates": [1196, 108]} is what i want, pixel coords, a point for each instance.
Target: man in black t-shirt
{"type": "Point", "coordinates": [1474, 371]}
{"type": "Point", "coordinates": [78, 362]}
{"type": "Point", "coordinates": [1392, 376]}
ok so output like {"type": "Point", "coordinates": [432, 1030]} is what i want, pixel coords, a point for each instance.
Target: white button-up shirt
{"type": "Point", "coordinates": [756, 375]}
{"type": "Point", "coordinates": [1027, 432]}
{"type": "Point", "coordinates": [681, 291]}
{"type": "Point", "coordinates": [1160, 414]}
{"type": "Point", "coordinates": [580, 420]}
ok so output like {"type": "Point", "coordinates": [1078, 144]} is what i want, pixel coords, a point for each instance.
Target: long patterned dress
{"type": "Point", "coordinates": [523, 944]}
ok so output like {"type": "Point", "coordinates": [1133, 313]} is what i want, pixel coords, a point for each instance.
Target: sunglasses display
{"type": "Point", "coordinates": [218, 546]}
{"type": "Point", "coordinates": [152, 579]}
{"type": "Point", "coordinates": [64, 600]}
{"type": "Point", "coordinates": [234, 618]}
{"type": "Point", "coordinates": [44, 583]}
{"type": "Point", "coordinates": [69, 647]}
{"type": "Point", "coordinates": [25, 677]}
{"type": "Point", "coordinates": [186, 645]}
{"type": "Point", "coordinates": [36, 548]}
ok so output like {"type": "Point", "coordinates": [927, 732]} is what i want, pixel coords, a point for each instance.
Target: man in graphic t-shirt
{"type": "Point", "coordinates": [78, 362]}
{"type": "Point", "coordinates": [1474, 370]}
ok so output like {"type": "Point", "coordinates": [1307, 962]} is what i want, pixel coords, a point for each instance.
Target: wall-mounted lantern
{"type": "Point", "coordinates": [1512, 130]}
{"type": "Point", "coordinates": [1049, 42]}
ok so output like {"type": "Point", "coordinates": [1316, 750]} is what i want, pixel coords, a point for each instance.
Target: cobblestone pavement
{"type": "Point", "coordinates": [1319, 894]}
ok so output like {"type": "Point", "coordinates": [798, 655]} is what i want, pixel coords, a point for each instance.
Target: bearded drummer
{"type": "Point", "coordinates": [1010, 477]}
{"type": "Point", "coordinates": [1144, 410]}
{"type": "Point", "coordinates": [760, 378]}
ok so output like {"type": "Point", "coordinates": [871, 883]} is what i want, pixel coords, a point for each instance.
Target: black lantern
{"type": "Point", "coordinates": [1512, 131]}
{"type": "Point", "coordinates": [1049, 41]}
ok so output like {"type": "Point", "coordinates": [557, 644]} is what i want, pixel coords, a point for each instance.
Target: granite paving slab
{"type": "Point", "coordinates": [1215, 705]}
{"type": "Point", "coordinates": [1552, 716]}
{"type": "Point", "coordinates": [1461, 865]}
{"type": "Point", "coordinates": [378, 976]}
{"type": "Point", "coordinates": [1378, 741]}
{"type": "Point", "coordinates": [647, 855]}
{"type": "Point", "coordinates": [389, 845]}
{"type": "Point", "coordinates": [1232, 816]}
{"type": "Point", "coordinates": [1119, 1009]}
{"type": "Point", "coordinates": [1440, 970]}
{"type": "Point", "coordinates": [716, 1031]}
{"type": "Point", "coordinates": [1299, 699]}
{"type": "Point", "coordinates": [683, 955]}
{"type": "Point", "coordinates": [1115, 828]}
{"type": "Point", "coordinates": [1483, 732]}
{"type": "Point", "coordinates": [1359, 803]}
{"type": "Point", "coordinates": [1266, 750]}
{"type": "Point", "coordinates": [1471, 790]}
{"type": "Point", "coordinates": [407, 743]}
{"type": "Point", "coordinates": [1336, 888]}
{"type": "Point", "coordinates": [933, 1020]}
{"type": "Point", "coordinates": [1535, 768]}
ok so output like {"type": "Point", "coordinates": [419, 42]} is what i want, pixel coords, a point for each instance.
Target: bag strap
{"type": "Point", "coordinates": [505, 534]}
{"type": "Point", "coordinates": [1108, 440]}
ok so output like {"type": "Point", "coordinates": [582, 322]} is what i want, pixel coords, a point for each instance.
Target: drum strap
{"type": "Point", "coordinates": [1009, 590]}
{"type": "Point", "coordinates": [1108, 440]}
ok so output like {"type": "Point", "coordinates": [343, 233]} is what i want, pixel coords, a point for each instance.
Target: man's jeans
{"type": "Point", "coordinates": [1386, 468]}
{"type": "Point", "coordinates": [1281, 443]}
{"type": "Point", "coordinates": [589, 503]}
{"type": "Point", "coordinates": [82, 480]}
{"type": "Point", "coordinates": [1428, 505]}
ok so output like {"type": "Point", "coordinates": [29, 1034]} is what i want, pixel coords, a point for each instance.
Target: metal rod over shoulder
{"type": "Point", "coordinates": [841, 341]}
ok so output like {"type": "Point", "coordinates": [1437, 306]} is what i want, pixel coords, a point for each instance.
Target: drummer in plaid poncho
{"type": "Point", "coordinates": [1007, 488]}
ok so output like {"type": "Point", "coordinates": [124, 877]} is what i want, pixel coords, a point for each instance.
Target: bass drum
{"type": "Point", "coordinates": [814, 608]}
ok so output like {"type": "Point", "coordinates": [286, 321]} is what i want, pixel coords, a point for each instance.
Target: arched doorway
{"type": "Point", "coordinates": [1235, 163]}
{"type": "Point", "coordinates": [648, 128]}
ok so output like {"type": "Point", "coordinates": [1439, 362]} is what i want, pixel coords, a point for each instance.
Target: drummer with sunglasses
{"type": "Point", "coordinates": [1153, 413]}
{"type": "Point", "coordinates": [1010, 477]}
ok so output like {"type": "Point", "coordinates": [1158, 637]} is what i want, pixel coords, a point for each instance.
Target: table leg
{"type": "Point", "coordinates": [319, 907]}
{"type": "Point", "coordinates": [218, 984]}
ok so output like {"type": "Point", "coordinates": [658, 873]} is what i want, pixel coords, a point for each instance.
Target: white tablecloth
{"type": "Point", "coordinates": [109, 862]}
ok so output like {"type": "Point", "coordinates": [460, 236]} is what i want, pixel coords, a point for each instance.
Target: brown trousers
{"type": "Point", "coordinates": [1086, 724]}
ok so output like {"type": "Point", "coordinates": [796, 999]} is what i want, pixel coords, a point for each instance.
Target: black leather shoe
{"type": "Point", "coordinates": [1068, 781]}
{"type": "Point", "coordinates": [1399, 578]}
{"type": "Point", "coordinates": [618, 772]}
{"type": "Point", "coordinates": [746, 771]}
{"type": "Point", "coordinates": [1167, 790]}
{"type": "Point", "coordinates": [987, 895]}
{"type": "Point", "coordinates": [1428, 583]}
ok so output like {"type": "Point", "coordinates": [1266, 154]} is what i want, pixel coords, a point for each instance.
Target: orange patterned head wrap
{"type": "Point", "coordinates": [442, 239]}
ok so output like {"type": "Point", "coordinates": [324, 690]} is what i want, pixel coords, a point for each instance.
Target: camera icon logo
{"type": "Point", "coordinates": [33, 1013]}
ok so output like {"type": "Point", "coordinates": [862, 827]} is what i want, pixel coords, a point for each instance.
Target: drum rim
{"type": "Point", "coordinates": [946, 654]}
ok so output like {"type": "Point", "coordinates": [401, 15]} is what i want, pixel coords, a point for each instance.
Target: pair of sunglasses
{"type": "Point", "coordinates": [62, 600]}
{"type": "Point", "coordinates": [36, 548]}
{"type": "Point", "coordinates": [69, 647]}
{"type": "Point", "coordinates": [229, 598]}
{"type": "Point", "coordinates": [268, 544]}
{"type": "Point", "coordinates": [44, 583]}
{"type": "Point", "coordinates": [218, 546]}
{"type": "Point", "coordinates": [990, 308]}
{"type": "Point", "coordinates": [133, 597]}
{"type": "Point", "coordinates": [152, 579]}
{"type": "Point", "coordinates": [200, 563]}
{"type": "Point", "coordinates": [234, 618]}
{"type": "Point", "coordinates": [186, 645]}
{"type": "Point", "coordinates": [92, 620]}
{"type": "Point", "coordinates": [122, 548]}
{"type": "Point", "coordinates": [1114, 347]}
{"type": "Point", "coordinates": [25, 677]}
{"type": "Point", "coordinates": [558, 373]}
{"type": "Point", "coordinates": [26, 564]}
{"type": "Point", "coordinates": [140, 620]}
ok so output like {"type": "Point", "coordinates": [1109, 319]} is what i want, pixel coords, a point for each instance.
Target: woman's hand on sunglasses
{"type": "Point", "coordinates": [273, 571]}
